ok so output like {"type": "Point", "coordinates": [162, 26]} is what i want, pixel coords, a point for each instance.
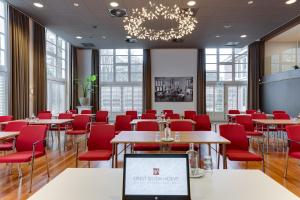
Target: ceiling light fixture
{"type": "Point", "coordinates": [128, 36]}
{"type": "Point", "coordinates": [218, 36]}
{"type": "Point", "coordinates": [135, 23]}
{"type": "Point", "coordinates": [114, 4]}
{"type": "Point", "coordinates": [76, 4]}
{"type": "Point", "coordinates": [191, 3]}
{"type": "Point", "coordinates": [250, 2]}
{"type": "Point", "coordinates": [38, 5]}
{"type": "Point", "coordinates": [290, 2]}
{"type": "Point", "coordinates": [228, 26]}
{"type": "Point", "coordinates": [243, 36]}
{"type": "Point", "coordinates": [78, 37]}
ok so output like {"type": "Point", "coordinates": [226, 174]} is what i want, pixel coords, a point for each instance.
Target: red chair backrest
{"type": "Point", "coordinates": [151, 111]}
{"type": "Point", "coordinates": [168, 112]}
{"type": "Point", "coordinates": [44, 115]}
{"type": "Point", "coordinates": [234, 112]}
{"type": "Point", "coordinates": [123, 123]}
{"type": "Point", "coordinates": [86, 112]}
{"type": "Point", "coordinates": [293, 133]}
{"type": "Point", "coordinates": [45, 111]}
{"type": "Point", "coordinates": [15, 126]}
{"type": "Point", "coordinates": [236, 134]}
{"type": "Point", "coordinates": [202, 123]}
{"type": "Point", "coordinates": [148, 116]}
{"type": "Point", "coordinates": [281, 116]}
{"type": "Point", "coordinates": [181, 126]}
{"type": "Point", "coordinates": [245, 121]}
{"type": "Point", "coordinates": [29, 135]}
{"type": "Point", "coordinates": [147, 126]}
{"type": "Point", "coordinates": [6, 118]}
{"type": "Point", "coordinates": [250, 112]}
{"type": "Point", "coordinates": [173, 116]}
{"type": "Point", "coordinates": [73, 111]}
{"type": "Point", "coordinates": [80, 122]}
{"type": "Point", "coordinates": [65, 116]}
{"type": "Point", "coordinates": [259, 116]}
{"type": "Point", "coordinates": [189, 114]}
{"type": "Point", "coordinates": [132, 113]}
{"type": "Point", "coordinates": [102, 116]}
{"type": "Point", "coordinates": [100, 137]}
{"type": "Point", "coordinates": [278, 111]}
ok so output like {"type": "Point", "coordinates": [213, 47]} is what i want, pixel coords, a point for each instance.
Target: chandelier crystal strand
{"type": "Point", "coordinates": [134, 24]}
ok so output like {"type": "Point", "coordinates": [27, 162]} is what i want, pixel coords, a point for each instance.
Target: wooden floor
{"type": "Point", "coordinates": [12, 187]}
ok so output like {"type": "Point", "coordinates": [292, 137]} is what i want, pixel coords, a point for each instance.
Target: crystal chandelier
{"type": "Point", "coordinates": [135, 23]}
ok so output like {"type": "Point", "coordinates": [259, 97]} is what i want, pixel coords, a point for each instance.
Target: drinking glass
{"type": "Point", "coordinates": [208, 166]}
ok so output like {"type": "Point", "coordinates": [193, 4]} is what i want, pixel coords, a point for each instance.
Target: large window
{"type": "Point", "coordinates": [57, 71]}
{"type": "Point", "coordinates": [226, 79]}
{"type": "Point", "coordinates": [3, 62]}
{"type": "Point", "coordinates": [121, 80]}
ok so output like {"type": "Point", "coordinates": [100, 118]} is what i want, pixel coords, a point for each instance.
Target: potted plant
{"type": "Point", "coordinates": [87, 85]}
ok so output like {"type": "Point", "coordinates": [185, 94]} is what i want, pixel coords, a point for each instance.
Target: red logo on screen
{"type": "Point", "coordinates": [155, 171]}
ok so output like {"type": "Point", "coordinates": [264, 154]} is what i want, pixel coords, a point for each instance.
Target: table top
{"type": "Point", "coordinates": [106, 184]}
{"type": "Point", "coordinates": [277, 121]}
{"type": "Point", "coordinates": [7, 134]}
{"type": "Point", "coordinates": [135, 121]}
{"type": "Point", "coordinates": [197, 137]}
{"type": "Point", "coordinates": [43, 121]}
{"type": "Point", "coordinates": [234, 115]}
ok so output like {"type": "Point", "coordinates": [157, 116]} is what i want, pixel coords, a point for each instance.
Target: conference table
{"type": "Point", "coordinates": [106, 184]}
{"type": "Point", "coordinates": [8, 134]}
{"type": "Point", "coordinates": [161, 122]}
{"type": "Point", "coordinates": [268, 123]}
{"type": "Point", "coordinates": [185, 137]}
{"type": "Point", "coordinates": [232, 116]}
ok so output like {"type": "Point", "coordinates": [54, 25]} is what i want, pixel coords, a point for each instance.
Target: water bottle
{"type": "Point", "coordinates": [208, 167]}
{"type": "Point", "coordinates": [193, 160]}
{"type": "Point", "coordinates": [167, 132]}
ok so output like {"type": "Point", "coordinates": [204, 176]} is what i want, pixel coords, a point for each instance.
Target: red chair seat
{"type": "Point", "coordinates": [6, 146]}
{"type": "Point", "coordinates": [76, 132]}
{"type": "Point", "coordinates": [295, 154]}
{"type": "Point", "coordinates": [146, 147]}
{"type": "Point", "coordinates": [182, 147]}
{"type": "Point", "coordinates": [240, 155]}
{"type": "Point", "coordinates": [254, 133]}
{"type": "Point", "coordinates": [22, 156]}
{"type": "Point", "coordinates": [96, 155]}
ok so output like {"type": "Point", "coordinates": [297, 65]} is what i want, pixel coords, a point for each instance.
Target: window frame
{"type": "Point", "coordinates": [4, 69]}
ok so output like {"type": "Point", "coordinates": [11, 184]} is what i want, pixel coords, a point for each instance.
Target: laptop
{"type": "Point", "coordinates": [156, 177]}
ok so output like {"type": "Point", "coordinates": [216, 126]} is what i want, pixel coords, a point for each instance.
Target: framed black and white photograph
{"type": "Point", "coordinates": [173, 89]}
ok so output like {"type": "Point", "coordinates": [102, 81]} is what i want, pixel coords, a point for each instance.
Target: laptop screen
{"type": "Point", "coordinates": [156, 176]}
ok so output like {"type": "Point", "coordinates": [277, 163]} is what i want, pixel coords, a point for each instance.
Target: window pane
{"type": "Point", "coordinates": [107, 52]}
{"type": "Point", "coordinates": [50, 48]}
{"type": "Point", "coordinates": [2, 25]}
{"type": "Point", "coordinates": [121, 59]}
{"type": "Point", "coordinates": [2, 9]}
{"type": "Point", "coordinates": [210, 51]}
{"type": "Point", "coordinates": [225, 76]}
{"type": "Point", "coordinates": [209, 99]}
{"type": "Point", "coordinates": [211, 58]}
{"type": "Point", "coordinates": [211, 67]}
{"type": "Point", "coordinates": [51, 60]}
{"type": "Point", "coordinates": [51, 71]}
{"type": "Point", "coordinates": [225, 58]}
{"type": "Point", "coordinates": [211, 76]}
{"type": "Point", "coordinates": [242, 98]}
{"type": "Point", "coordinates": [225, 68]}
{"type": "Point", "coordinates": [105, 98]}
{"type": "Point", "coordinates": [241, 58]}
{"type": "Point", "coordinates": [116, 99]}
{"type": "Point", "coordinates": [107, 60]}
{"type": "Point", "coordinates": [138, 99]}
{"type": "Point", "coordinates": [137, 73]}
{"type": "Point", "coordinates": [241, 67]}
{"type": "Point", "coordinates": [136, 51]}
{"type": "Point", "coordinates": [106, 73]}
{"type": "Point", "coordinates": [232, 98]}
{"type": "Point", "coordinates": [127, 98]}
{"type": "Point", "coordinates": [2, 58]}
{"type": "Point", "coordinates": [3, 94]}
{"type": "Point", "coordinates": [121, 51]}
{"type": "Point", "coordinates": [219, 99]}
{"type": "Point", "coordinates": [2, 42]}
{"type": "Point", "coordinates": [122, 73]}
{"type": "Point", "coordinates": [51, 37]}
{"type": "Point", "coordinates": [57, 99]}
{"type": "Point", "coordinates": [225, 51]}
{"type": "Point", "coordinates": [136, 59]}
{"type": "Point", "coordinates": [61, 43]}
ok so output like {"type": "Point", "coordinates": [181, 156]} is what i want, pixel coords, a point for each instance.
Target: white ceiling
{"type": "Point", "coordinates": [255, 20]}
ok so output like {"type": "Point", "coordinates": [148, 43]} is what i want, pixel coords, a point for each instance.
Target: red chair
{"type": "Point", "coordinates": [281, 116]}
{"type": "Point", "coordinates": [30, 144]}
{"type": "Point", "coordinates": [132, 113]}
{"type": "Point", "coordinates": [44, 111]}
{"type": "Point", "coordinates": [173, 116]}
{"type": "Point", "coordinates": [44, 115]}
{"type": "Point", "coordinates": [122, 123]}
{"type": "Point", "coordinates": [246, 121]}
{"type": "Point", "coordinates": [202, 123]}
{"type": "Point", "coordinates": [233, 112]}
{"type": "Point", "coordinates": [148, 116]}
{"type": "Point", "coordinates": [238, 149]}
{"type": "Point", "coordinates": [259, 116]}
{"type": "Point", "coordinates": [151, 111]}
{"type": "Point", "coordinates": [99, 146]}
{"type": "Point", "coordinates": [62, 126]}
{"type": "Point", "coordinates": [13, 126]}
{"type": "Point", "coordinates": [189, 114]}
{"type": "Point", "coordinates": [181, 126]}
{"type": "Point", "coordinates": [86, 112]}
{"type": "Point", "coordinates": [73, 111]}
{"type": "Point", "coordinates": [80, 126]}
{"type": "Point", "coordinates": [147, 126]}
{"type": "Point", "coordinates": [278, 111]}
{"type": "Point", "coordinates": [293, 149]}
{"type": "Point", "coordinates": [249, 112]}
{"type": "Point", "coordinates": [168, 112]}
{"type": "Point", "coordinates": [5, 119]}
{"type": "Point", "coordinates": [102, 116]}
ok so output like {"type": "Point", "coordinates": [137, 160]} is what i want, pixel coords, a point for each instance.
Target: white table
{"type": "Point", "coordinates": [106, 184]}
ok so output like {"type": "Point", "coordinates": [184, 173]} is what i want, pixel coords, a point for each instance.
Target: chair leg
{"type": "Point", "coordinates": [263, 165]}
{"type": "Point", "coordinates": [219, 160]}
{"type": "Point", "coordinates": [286, 163]}
{"type": "Point", "coordinates": [209, 149]}
{"type": "Point", "coordinates": [89, 164]}
{"type": "Point", "coordinates": [20, 170]}
{"type": "Point", "coordinates": [47, 165]}
{"type": "Point", "coordinates": [31, 174]}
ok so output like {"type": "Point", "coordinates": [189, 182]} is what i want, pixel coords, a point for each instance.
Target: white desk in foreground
{"type": "Point", "coordinates": [106, 184]}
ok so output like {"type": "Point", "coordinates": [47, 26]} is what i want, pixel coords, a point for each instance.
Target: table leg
{"type": "Point", "coordinates": [113, 156]}
{"type": "Point", "coordinates": [116, 153]}
{"type": "Point", "coordinates": [268, 138]}
{"type": "Point", "coordinates": [224, 156]}
{"type": "Point", "coordinates": [58, 137]}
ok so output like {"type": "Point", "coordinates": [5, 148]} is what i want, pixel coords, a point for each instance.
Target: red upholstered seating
{"type": "Point", "coordinates": [5, 118]}
{"type": "Point", "coordinates": [168, 111]}
{"type": "Point", "coordinates": [237, 150]}
{"type": "Point", "coordinates": [173, 116]}
{"type": "Point", "coordinates": [189, 114]}
{"type": "Point", "coordinates": [102, 116]}
{"type": "Point", "coordinates": [246, 121]}
{"type": "Point", "coordinates": [181, 126]}
{"type": "Point", "coordinates": [132, 113]}
{"type": "Point", "coordinates": [79, 125]}
{"type": "Point", "coordinates": [86, 112]}
{"type": "Point", "coordinates": [73, 111]}
{"type": "Point", "coordinates": [281, 116]}
{"type": "Point", "coordinates": [148, 116]}
{"type": "Point", "coordinates": [151, 111]}
{"type": "Point", "coordinates": [249, 112]}
{"type": "Point", "coordinates": [122, 123]}
{"type": "Point", "coordinates": [202, 123]}
{"type": "Point", "coordinates": [44, 115]}
{"type": "Point", "coordinates": [147, 126]}
{"type": "Point", "coordinates": [293, 150]}
{"type": "Point", "coordinates": [63, 126]}
{"type": "Point", "coordinates": [232, 119]}
{"type": "Point", "coordinates": [99, 146]}
{"type": "Point", "coordinates": [30, 144]}
{"type": "Point", "coordinates": [278, 111]}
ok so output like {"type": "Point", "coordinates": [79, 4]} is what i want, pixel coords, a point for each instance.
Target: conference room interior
{"type": "Point", "coordinates": [88, 84]}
